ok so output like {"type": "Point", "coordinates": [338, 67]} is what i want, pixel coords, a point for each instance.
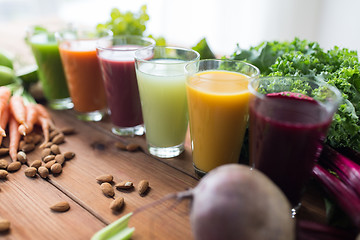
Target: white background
{"type": "Point", "coordinates": [224, 23]}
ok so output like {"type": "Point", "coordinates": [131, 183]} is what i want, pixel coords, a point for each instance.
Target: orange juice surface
{"type": "Point", "coordinates": [84, 78]}
{"type": "Point", "coordinates": [218, 111]}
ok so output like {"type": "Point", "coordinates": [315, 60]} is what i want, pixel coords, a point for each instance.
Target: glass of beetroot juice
{"type": "Point", "coordinates": [117, 62]}
{"type": "Point", "coordinates": [289, 119]}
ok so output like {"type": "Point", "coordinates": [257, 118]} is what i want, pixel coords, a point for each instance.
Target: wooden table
{"type": "Point", "coordinates": [25, 201]}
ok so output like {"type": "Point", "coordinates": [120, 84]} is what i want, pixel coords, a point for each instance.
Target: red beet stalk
{"type": "Point", "coordinates": [346, 197]}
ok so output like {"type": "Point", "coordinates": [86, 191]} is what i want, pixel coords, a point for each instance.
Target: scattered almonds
{"type": "Point", "coordinates": [56, 168]}
{"type": "Point", "coordinates": [69, 155]}
{"type": "Point", "coordinates": [132, 147]}
{"type": "Point", "coordinates": [143, 186]}
{"type": "Point", "coordinates": [67, 130]}
{"type": "Point", "coordinates": [3, 164]}
{"type": "Point", "coordinates": [107, 189]}
{"type": "Point", "coordinates": [124, 185]}
{"type": "Point", "coordinates": [53, 134]}
{"type": "Point", "coordinates": [3, 174]}
{"type": "Point", "coordinates": [21, 157]}
{"type": "Point", "coordinates": [28, 139]}
{"type": "Point", "coordinates": [49, 164]}
{"type": "Point", "coordinates": [120, 145]}
{"type": "Point", "coordinates": [14, 166]}
{"type": "Point", "coordinates": [43, 172]}
{"type": "Point", "coordinates": [59, 158]}
{"type": "Point", "coordinates": [30, 172]}
{"type": "Point", "coordinates": [4, 225]}
{"type": "Point", "coordinates": [4, 151]}
{"type": "Point", "coordinates": [105, 178]}
{"type": "Point", "coordinates": [37, 138]}
{"type": "Point", "coordinates": [58, 139]}
{"type": "Point", "coordinates": [60, 207]}
{"type": "Point", "coordinates": [45, 152]}
{"type": "Point", "coordinates": [55, 149]}
{"type": "Point", "coordinates": [28, 147]}
{"type": "Point", "coordinates": [48, 145]}
{"type": "Point", "coordinates": [36, 163]}
{"type": "Point", "coordinates": [117, 204]}
{"type": "Point", "coordinates": [48, 158]}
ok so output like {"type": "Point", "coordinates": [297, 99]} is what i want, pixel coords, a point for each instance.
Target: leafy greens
{"type": "Point", "coordinates": [338, 67]}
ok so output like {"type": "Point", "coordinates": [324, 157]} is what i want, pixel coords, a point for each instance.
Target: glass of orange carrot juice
{"type": "Point", "coordinates": [218, 98]}
{"type": "Point", "coordinates": [82, 69]}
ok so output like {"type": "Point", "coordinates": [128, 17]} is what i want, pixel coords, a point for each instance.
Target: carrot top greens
{"type": "Point", "coordinates": [338, 67]}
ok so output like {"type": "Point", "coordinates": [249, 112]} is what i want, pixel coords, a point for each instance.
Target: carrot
{"type": "Point", "coordinates": [45, 128]}
{"type": "Point", "coordinates": [31, 119]}
{"type": "Point", "coordinates": [45, 114]}
{"type": "Point", "coordinates": [5, 94]}
{"type": "Point", "coordinates": [4, 119]}
{"type": "Point", "coordinates": [14, 138]}
{"type": "Point", "coordinates": [18, 109]}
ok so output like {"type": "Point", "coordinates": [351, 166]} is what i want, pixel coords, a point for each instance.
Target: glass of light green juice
{"type": "Point", "coordinates": [161, 77]}
{"type": "Point", "coordinates": [45, 49]}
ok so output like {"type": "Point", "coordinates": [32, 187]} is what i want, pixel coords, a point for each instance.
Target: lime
{"type": "Point", "coordinates": [5, 59]}
{"type": "Point", "coordinates": [28, 73]}
{"type": "Point", "coordinates": [7, 75]}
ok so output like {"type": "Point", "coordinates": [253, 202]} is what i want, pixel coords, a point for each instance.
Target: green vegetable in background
{"type": "Point", "coordinates": [204, 50]}
{"type": "Point", "coordinates": [338, 67]}
{"type": "Point", "coordinates": [7, 75]}
{"type": "Point", "coordinates": [6, 59]}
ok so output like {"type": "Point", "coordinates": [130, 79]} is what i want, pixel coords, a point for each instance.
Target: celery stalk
{"type": "Point", "coordinates": [117, 230]}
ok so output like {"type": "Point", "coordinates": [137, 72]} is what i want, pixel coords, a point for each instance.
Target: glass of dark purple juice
{"type": "Point", "coordinates": [116, 58]}
{"type": "Point", "coordinates": [289, 119]}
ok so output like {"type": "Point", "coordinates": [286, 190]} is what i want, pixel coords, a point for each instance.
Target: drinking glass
{"type": "Point", "coordinates": [45, 49]}
{"type": "Point", "coordinates": [218, 98]}
{"type": "Point", "coordinates": [117, 61]}
{"type": "Point", "coordinates": [82, 70]}
{"type": "Point", "coordinates": [160, 73]}
{"type": "Point", "coordinates": [289, 119]}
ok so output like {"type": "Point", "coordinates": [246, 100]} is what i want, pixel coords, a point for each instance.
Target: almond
{"type": "Point", "coordinates": [48, 158]}
{"type": "Point", "coordinates": [60, 207]}
{"type": "Point", "coordinates": [45, 152]}
{"type": "Point", "coordinates": [21, 157]}
{"type": "Point", "coordinates": [143, 186]}
{"type": "Point", "coordinates": [67, 130]}
{"type": "Point", "coordinates": [132, 147]}
{"type": "Point", "coordinates": [30, 172]}
{"type": "Point", "coordinates": [58, 139]}
{"type": "Point", "coordinates": [124, 185]}
{"type": "Point", "coordinates": [28, 139]}
{"type": "Point", "coordinates": [21, 144]}
{"type": "Point", "coordinates": [105, 178]}
{"type": "Point", "coordinates": [37, 138]}
{"type": "Point", "coordinates": [69, 155]}
{"type": "Point", "coordinates": [3, 164]}
{"type": "Point", "coordinates": [48, 145]}
{"type": "Point", "coordinates": [107, 189]}
{"type": "Point", "coordinates": [3, 174]}
{"type": "Point", "coordinates": [4, 151]}
{"type": "Point", "coordinates": [43, 172]}
{"type": "Point", "coordinates": [56, 168]}
{"type": "Point", "coordinates": [49, 164]}
{"type": "Point", "coordinates": [28, 147]}
{"type": "Point", "coordinates": [59, 158]}
{"type": "Point", "coordinates": [53, 134]}
{"type": "Point", "coordinates": [120, 145]}
{"type": "Point", "coordinates": [4, 225]}
{"type": "Point", "coordinates": [55, 149]}
{"type": "Point", "coordinates": [117, 204]}
{"type": "Point", "coordinates": [36, 163]}
{"type": "Point", "coordinates": [14, 166]}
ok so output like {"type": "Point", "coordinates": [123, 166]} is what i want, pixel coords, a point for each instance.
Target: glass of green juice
{"type": "Point", "coordinates": [45, 49]}
{"type": "Point", "coordinates": [160, 73]}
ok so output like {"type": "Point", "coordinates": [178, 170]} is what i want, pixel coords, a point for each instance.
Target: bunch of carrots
{"type": "Point", "coordinates": [20, 118]}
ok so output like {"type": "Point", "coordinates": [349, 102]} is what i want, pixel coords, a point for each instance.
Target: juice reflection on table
{"type": "Point", "coordinates": [84, 78]}
{"type": "Point", "coordinates": [50, 69]}
{"type": "Point", "coordinates": [218, 112]}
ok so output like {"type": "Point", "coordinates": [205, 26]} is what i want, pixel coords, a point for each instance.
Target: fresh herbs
{"type": "Point", "coordinates": [338, 67]}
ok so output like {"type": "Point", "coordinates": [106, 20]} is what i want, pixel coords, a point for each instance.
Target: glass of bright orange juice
{"type": "Point", "coordinates": [82, 69]}
{"type": "Point", "coordinates": [218, 98]}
